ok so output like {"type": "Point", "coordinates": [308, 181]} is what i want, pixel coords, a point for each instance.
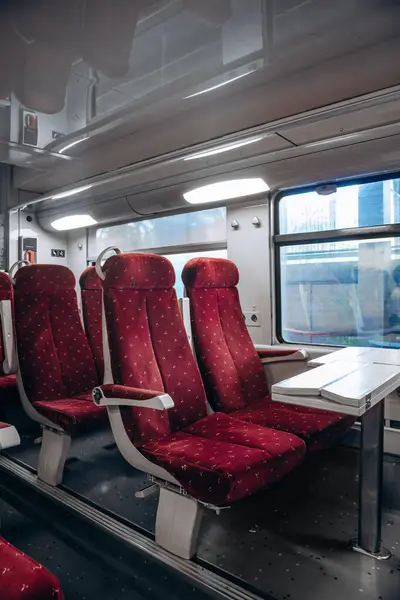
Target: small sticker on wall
{"type": "Point", "coordinates": [29, 128]}
{"type": "Point", "coordinates": [57, 253]}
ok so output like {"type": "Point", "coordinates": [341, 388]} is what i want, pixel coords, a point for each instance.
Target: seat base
{"type": "Point", "coordinates": [73, 415]}
{"type": "Point", "coordinates": [53, 454]}
{"type": "Point", "coordinates": [319, 429]}
{"type": "Point", "coordinates": [178, 523]}
{"type": "Point", "coordinates": [220, 460]}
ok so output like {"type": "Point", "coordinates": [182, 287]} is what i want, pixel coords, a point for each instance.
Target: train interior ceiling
{"type": "Point", "coordinates": [199, 146]}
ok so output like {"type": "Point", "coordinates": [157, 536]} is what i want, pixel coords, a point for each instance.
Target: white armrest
{"type": "Point", "coordinates": [161, 402]}
{"type": "Point", "coordinates": [299, 355]}
{"type": "Point", "coordinates": [7, 329]}
{"type": "Point", "coordinates": [9, 437]}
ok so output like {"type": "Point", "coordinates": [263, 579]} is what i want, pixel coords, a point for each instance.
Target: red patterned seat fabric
{"type": "Point", "coordinates": [215, 458]}
{"type": "Point", "coordinates": [219, 459]}
{"type": "Point", "coordinates": [56, 362]}
{"type": "Point", "coordinates": [22, 578]}
{"type": "Point", "coordinates": [8, 383]}
{"type": "Point", "coordinates": [234, 376]}
{"type": "Point", "coordinates": [6, 293]}
{"type": "Point", "coordinates": [91, 294]}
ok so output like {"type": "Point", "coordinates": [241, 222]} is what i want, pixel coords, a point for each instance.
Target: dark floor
{"type": "Point", "coordinates": [291, 541]}
{"type": "Point", "coordinates": [80, 577]}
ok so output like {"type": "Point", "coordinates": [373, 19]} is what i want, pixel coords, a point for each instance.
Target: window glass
{"type": "Point", "coordinates": [179, 261]}
{"type": "Point", "coordinates": [174, 230]}
{"type": "Point", "coordinates": [341, 293]}
{"type": "Point", "coordinates": [368, 204]}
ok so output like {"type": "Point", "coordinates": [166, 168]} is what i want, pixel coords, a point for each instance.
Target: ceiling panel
{"type": "Point", "coordinates": [107, 83]}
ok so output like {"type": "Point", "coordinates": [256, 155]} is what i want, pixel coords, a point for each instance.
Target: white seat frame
{"type": "Point", "coordinates": [178, 514]}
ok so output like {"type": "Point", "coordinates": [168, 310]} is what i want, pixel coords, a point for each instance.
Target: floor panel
{"type": "Point", "coordinates": [80, 577]}
{"type": "Point", "coordinates": [290, 542]}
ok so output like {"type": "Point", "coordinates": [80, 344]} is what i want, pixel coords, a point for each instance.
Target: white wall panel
{"type": "Point", "coordinates": [248, 247]}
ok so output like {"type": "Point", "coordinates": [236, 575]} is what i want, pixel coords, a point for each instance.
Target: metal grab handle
{"type": "Point", "coordinates": [99, 269]}
{"type": "Point", "coordinates": [16, 266]}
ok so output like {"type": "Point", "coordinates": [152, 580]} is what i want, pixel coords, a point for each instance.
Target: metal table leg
{"type": "Point", "coordinates": [370, 485]}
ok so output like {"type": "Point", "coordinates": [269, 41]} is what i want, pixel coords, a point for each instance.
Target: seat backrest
{"type": "Point", "coordinates": [6, 293]}
{"type": "Point", "coordinates": [149, 348]}
{"type": "Point", "coordinates": [231, 368]}
{"type": "Point", "coordinates": [91, 294]}
{"type": "Point", "coordinates": [54, 355]}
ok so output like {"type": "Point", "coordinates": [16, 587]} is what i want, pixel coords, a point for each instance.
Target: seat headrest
{"type": "Point", "coordinates": [5, 281]}
{"type": "Point", "coordinates": [44, 279]}
{"type": "Point", "coordinates": [210, 273]}
{"type": "Point", "coordinates": [89, 280]}
{"type": "Point", "coordinates": [138, 271]}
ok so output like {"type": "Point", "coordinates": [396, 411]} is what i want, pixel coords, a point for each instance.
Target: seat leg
{"type": "Point", "coordinates": [53, 454]}
{"type": "Point", "coordinates": [178, 523]}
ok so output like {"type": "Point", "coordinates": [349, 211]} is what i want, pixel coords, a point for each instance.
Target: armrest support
{"type": "Point", "coordinates": [270, 355]}
{"type": "Point", "coordinates": [10, 359]}
{"type": "Point", "coordinates": [120, 395]}
{"type": "Point", "coordinates": [8, 436]}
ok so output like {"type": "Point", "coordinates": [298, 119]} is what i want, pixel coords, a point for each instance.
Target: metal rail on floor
{"type": "Point", "coordinates": [205, 579]}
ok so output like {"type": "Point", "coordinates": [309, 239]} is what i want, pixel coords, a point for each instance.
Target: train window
{"type": "Point", "coordinates": [338, 266]}
{"type": "Point", "coordinates": [185, 229]}
{"type": "Point", "coordinates": [376, 203]}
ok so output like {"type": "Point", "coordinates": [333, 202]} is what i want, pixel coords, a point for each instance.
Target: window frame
{"type": "Point", "coordinates": [282, 240]}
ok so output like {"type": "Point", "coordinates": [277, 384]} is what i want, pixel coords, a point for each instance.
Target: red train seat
{"type": "Point", "coordinates": [56, 367]}
{"type": "Point", "coordinates": [234, 376]}
{"type": "Point", "coordinates": [8, 380]}
{"type": "Point", "coordinates": [91, 294]}
{"type": "Point", "coordinates": [22, 578]}
{"type": "Point", "coordinates": [167, 433]}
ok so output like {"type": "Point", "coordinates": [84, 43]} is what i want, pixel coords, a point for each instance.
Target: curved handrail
{"type": "Point", "coordinates": [102, 254]}
{"type": "Point", "coordinates": [16, 266]}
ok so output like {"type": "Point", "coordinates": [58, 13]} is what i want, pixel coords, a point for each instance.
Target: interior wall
{"type": "Point", "coordinates": [25, 224]}
{"type": "Point", "coordinates": [249, 248]}
{"type": "Point", "coordinates": [77, 252]}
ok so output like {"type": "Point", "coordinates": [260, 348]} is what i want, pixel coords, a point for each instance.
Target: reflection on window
{"type": "Point", "coordinates": [341, 292]}
{"type": "Point", "coordinates": [363, 205]}
{"type": "Point", "coordinates": [180, 260]}
{"type": "Point", "coordinates": [343, 297]}
{"type": "Point", "coordinates": [174, 230]}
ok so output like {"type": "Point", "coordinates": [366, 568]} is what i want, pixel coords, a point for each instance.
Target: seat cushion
{"type": "Point", "coordinates": [22, 578]}
{"type": "Point", "coordinates": [319, 429]}
{"type": "Point", "coordinates": [8, 381]}
{"type": "Point", "coordinates": [220, 460]}
{"type": "Point", "coordinates": [73, 415]}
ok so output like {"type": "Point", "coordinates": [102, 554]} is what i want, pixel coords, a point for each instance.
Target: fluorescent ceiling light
{"type": "Point", "coordinates": [226, 148]}
{"type": "Point", "coordinates": [73, 222]}
{"type": "Point", "coordinates": [226, 190]}
{"type": "Point", "coordinates": [71, 192]}
{"type": "Point", "coordinates": [339, 138]}
{"type": "Point", "coordinates": [72, 144]}
{"type": "Point", "coordinates": [215, 87]}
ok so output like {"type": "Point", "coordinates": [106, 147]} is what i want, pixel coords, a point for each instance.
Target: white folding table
{"type": "Point", "coordinates": [347, 379]}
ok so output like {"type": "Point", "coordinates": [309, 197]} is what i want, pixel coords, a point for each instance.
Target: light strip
{"type": "Point", "coordinates": [73, 222]}
{"type": "Point", "coordinates": [226, 148]}
{"type": "Point", "coordinates": [72, 144]}
{"type": "Point", "coordinates": [226, 190]}
{"type": "Point", "coordinates": [215, 87]}
{"type": "Point", "coordinates": [71, 192]}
